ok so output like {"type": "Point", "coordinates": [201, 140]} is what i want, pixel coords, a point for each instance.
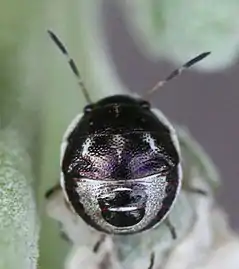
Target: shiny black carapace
{"type": "Point", "coordinates": [120, 165]}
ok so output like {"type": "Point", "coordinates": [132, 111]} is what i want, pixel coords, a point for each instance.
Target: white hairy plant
{"type": "Point", "coordinates": [39, 97]}
{"type": "Point", "coordinates": [18, 220]}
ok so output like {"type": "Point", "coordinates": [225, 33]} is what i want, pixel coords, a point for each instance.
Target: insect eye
{"type": "Point", "coordinates": [88, 108]}
{"type": "Point", "coordinates": [144, 104]}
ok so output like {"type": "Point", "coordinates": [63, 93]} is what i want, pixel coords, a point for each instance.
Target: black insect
{"type": "Point", "coordinates": [120, 161]}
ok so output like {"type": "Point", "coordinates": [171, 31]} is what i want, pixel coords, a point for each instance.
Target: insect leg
{"type": "Point", "coordinates": [171, 228]}
{"type": "Point", "coordinates": [49, 193]}
{"type": "Point", "coordinates": [65, 237]}
{"type": "Point", "coordinates": [98, 244]}
{"type": "Point", "coordinates": [52, 190]}
{"type": "Point", "coordinates": [197, 191]}
{"type": "Point", "coordinates": [152, 260]}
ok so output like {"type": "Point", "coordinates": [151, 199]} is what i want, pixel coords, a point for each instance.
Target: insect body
{"type": "Point", "coordinates": [120, 166]}
{"type": "Point", "coordinates": [120, 160]}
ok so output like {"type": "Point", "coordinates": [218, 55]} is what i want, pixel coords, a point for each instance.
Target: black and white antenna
{"type": "Point", "coordinates": [177, 72]}
{"type": "Point", "coordinates": [71, 64]}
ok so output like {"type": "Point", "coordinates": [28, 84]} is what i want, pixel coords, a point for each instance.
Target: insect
{"type": "Point", "coordinates": [120, 161]}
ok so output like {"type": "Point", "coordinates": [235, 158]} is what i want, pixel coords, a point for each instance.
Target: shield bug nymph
{"type": "Point", "coordinates": [120, 166]}
{"type": "Point", "coordinates": [120, 160]}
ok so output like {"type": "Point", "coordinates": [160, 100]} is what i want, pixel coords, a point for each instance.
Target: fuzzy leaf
{"type": "Point", "coordinates": [18, 220]}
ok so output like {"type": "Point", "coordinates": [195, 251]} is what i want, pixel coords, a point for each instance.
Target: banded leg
{"type": "Point", "coordinates": [171, 228]}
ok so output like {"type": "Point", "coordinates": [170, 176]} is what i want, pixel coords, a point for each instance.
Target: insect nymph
{"type": "Point", "coordinates": [120, 160]}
